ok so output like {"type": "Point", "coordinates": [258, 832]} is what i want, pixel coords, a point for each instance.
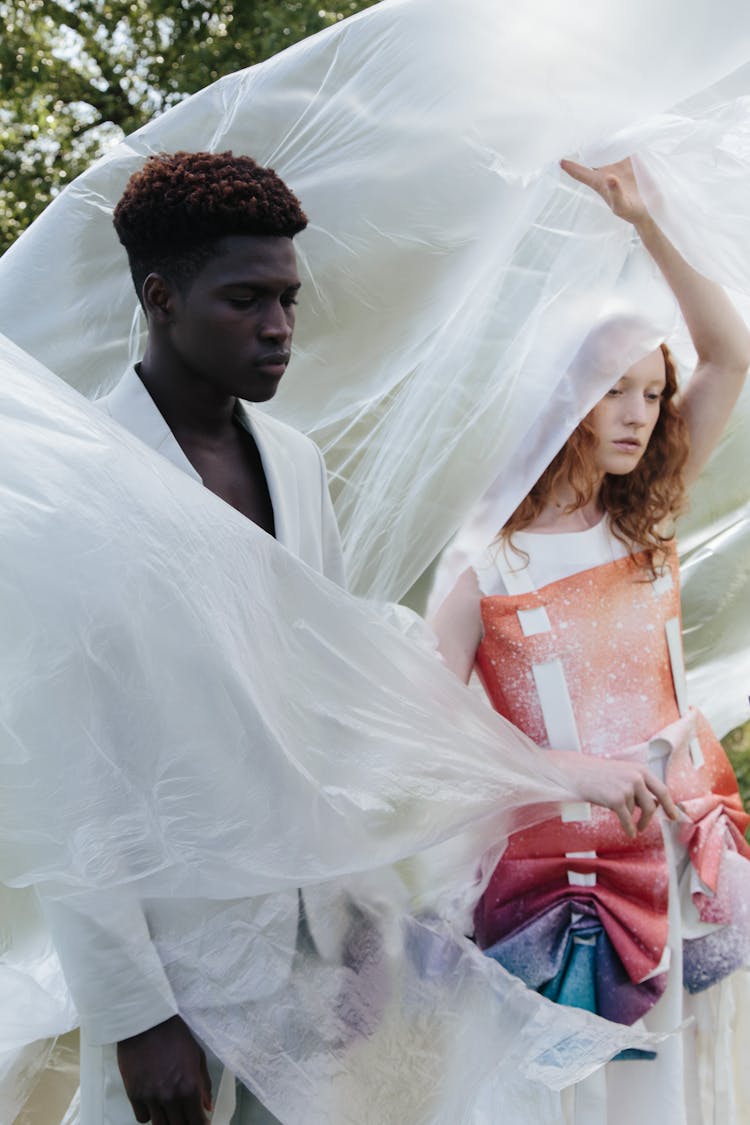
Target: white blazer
{"type": "Point", "coordinates": [295, 472]}
{"type": "Point", "coordinates": [113, 969]}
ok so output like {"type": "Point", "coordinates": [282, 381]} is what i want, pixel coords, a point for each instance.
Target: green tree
{"type": "Point", "coordinates": [76, 75]}
{"type": "Point", "coordinates": [737, 746]}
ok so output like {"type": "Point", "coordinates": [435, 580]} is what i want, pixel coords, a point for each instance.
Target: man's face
{"type": "Point", "coordinates": [232, 330]}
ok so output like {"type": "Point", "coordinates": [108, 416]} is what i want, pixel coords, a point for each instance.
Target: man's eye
{"type": "Point", "coordinates": [288, 301]}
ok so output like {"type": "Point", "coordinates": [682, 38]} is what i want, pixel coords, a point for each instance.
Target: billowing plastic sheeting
{"type": "Point", "coordinates": [451, 272]}
{"type": "Point", "coordinates": [451, 276]}
{"type": "Point", "coordinates": [36, 1004]}
{"type": "Point", "coordinates": [51, 1083]}
{"type": "Point", "coordinates": [149, 753]}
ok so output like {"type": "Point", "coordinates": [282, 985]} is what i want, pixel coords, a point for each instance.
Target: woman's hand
{"type": "Point", "coordinates": [621, 786]}
{"type": "Point", "coordinates": [719, 335]}
{"type": "Point", "coordinates": [616, 184]}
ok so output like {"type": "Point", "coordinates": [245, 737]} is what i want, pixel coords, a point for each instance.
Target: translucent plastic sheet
{"type": "Point", "coordinates": [35, 1003]}
{"type": "Point", "coordinates": [450, 277]}
{"type": "Point", "coordinates": [51, 1091]}
{"type": "Point", "coordinates": [152, 756]}
{"type": "Point", "coordinates": [451, 272]}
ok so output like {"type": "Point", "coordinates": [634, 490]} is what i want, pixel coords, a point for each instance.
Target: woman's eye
{"type": "Point", "coordinates": [613, 392]}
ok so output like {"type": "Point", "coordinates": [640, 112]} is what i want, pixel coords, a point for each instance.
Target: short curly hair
{"type": "Point", "coordinates": [176, 208]}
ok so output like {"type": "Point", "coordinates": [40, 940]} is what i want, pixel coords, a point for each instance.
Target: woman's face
{"type": "Point", "coordinates": [624, 419]}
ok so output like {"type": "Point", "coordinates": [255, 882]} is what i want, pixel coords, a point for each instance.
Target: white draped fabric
{"type": "Point", "coordinates": [451, 276]}
{"type": "Point", "coordinates": [451, 272]}
{"type": "Point", "coordinates": [164, 748]}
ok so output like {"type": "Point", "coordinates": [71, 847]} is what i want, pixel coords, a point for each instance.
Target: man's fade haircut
{"type": "Point", "coordinates": [176, 208]}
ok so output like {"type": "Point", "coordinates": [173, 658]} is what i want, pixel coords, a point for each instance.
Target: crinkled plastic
{"type": "Point", "coordinates": [112, 557]}
{"type": "Point", "coordinates": [451, 276]}
{"type": "Point", "coordinates": [451, 272]}
{"type": "Point", "coordinates": [157, 752]}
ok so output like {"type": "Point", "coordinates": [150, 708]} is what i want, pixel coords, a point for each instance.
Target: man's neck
{"type": "Point", "coordinates": [224, 455]}
{"type": "Point", "coordinates": [191, 408]}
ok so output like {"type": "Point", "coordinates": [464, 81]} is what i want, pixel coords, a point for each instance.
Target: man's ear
{"type": "Point", "coordinates": [158, 298]}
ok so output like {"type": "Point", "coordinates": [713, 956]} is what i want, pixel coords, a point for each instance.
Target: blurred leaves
{"type": "Point", "coordinates": [76, 75]}
{"type": "Point", "coordinates": [737, 746]}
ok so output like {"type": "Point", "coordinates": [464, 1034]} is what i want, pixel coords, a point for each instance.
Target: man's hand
{"type": "Point", "coordinates": [165, 1075]}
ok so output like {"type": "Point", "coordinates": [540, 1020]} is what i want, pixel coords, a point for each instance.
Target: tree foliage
{"type": "Point", "coordinates": [77, 75]}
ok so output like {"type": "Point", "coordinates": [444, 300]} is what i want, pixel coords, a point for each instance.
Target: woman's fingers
{"type": "Point", "coordinates": [663, 796]}
{"type": "Point", "coordinates": [615, 183]}
{"type": "Point", "coordinates": [604, 181]}
{"type": "Point", "coordinates": [625, 817]}
{"type": "Point", "coordinates": [621, 786]}
{"type": "Point", "coordinates": [645, 803]}
{"type": "Point", "coordinates": [588, 176]}
{"type": "Point", "coordinates": [646, 793]}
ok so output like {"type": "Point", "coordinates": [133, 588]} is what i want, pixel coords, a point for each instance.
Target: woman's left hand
{"type": "Point", "coordinates": [616, 184]}
{"type": "Point", "coordinates": [627, 788]}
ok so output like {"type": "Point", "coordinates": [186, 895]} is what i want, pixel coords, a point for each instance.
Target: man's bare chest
{"type": "Point", "coordinates": [234, 471]}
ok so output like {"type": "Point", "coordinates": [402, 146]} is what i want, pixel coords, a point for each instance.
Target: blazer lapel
{"type": "Point", "coordinates": [281, 478]}
{"type": "Point", "coordinates": [130, 404]}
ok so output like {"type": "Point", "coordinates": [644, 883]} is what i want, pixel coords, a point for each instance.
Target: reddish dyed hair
{"type": "Point", "coordinates": [637, 503]}
{"type": "Point", "coordinates": [178, 206]}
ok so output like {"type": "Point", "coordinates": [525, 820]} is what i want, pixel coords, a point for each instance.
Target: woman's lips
{"type": "Point", "coordinates": [627, 445]}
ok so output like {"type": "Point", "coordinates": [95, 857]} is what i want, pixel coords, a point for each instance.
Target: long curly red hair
{"type": "Point", "coordinates": [639, 503]}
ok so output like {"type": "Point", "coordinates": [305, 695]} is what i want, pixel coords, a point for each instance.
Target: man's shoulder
{"type": "Point", "coordinates": [104, 403]}
{"type": "Point", "coordinates": [126, 399]}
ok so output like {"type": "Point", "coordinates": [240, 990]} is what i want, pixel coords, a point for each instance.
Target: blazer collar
{"type": "Point", "coordinates": [275, 461]}
{"type": "Point", "coordinates": [131, 405]}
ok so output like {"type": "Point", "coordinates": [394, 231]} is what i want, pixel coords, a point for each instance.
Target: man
{"type": "Point", "coordinates": [209, 242]}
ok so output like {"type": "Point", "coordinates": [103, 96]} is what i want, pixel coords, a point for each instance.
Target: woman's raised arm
{"type": "Point", "coordinates": [720, 336]}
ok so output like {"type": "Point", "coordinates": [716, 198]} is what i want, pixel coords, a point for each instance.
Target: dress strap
{"type": "Point", "coordinates": [516, 574]}
{"type": "Point", "coordinates": [549, 677]}
{"type": "Point", "coordinates": [673, 630]}
{"type": "Point", "coordinates": [662, 583]}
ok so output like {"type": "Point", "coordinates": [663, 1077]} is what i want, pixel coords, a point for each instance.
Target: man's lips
{"type": "Point", "coordinates": [274, 363]}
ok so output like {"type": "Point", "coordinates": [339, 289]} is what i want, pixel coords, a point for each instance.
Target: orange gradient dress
{"type": "Point", "coordinates": [591, 662]}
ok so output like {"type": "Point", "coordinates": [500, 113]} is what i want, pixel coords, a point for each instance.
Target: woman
{"type": "Point", "coordinates": [572, 620]}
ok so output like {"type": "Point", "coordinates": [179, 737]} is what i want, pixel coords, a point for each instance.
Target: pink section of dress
{"type": "Point", "coordinates": [604, 654]}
